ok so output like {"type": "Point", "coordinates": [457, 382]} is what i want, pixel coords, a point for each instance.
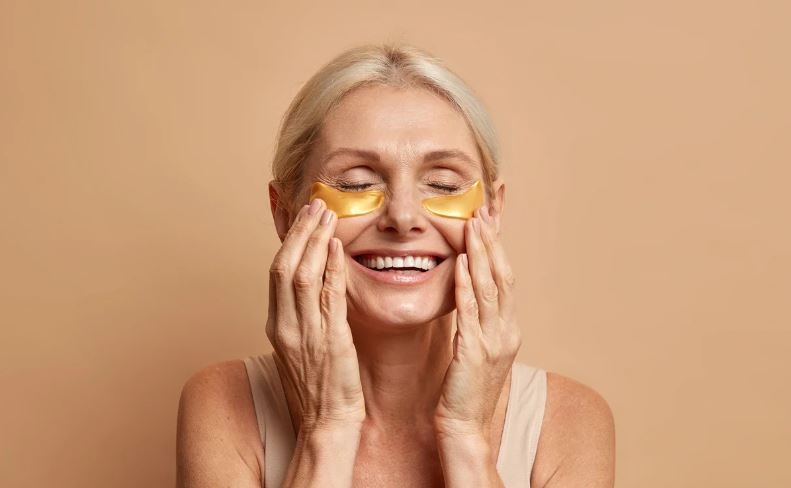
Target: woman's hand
{"type": "Point", "coordinates": [307, 326]}
{"type": "Point", "coordinates": [487, 337]}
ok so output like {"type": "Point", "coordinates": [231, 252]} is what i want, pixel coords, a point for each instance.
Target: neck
{"type": "Point", "coordinates": [402, 373]}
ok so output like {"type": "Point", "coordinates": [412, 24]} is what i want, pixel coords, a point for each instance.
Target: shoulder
{"type": "Point", "coordinates": [577, 442]}
{"type": "Point", "coordinates": [217, 433]}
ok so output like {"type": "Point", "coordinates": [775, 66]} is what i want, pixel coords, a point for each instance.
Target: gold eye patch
{"type": "Point", "coordinates": [347, 203]}
{"type": "Point", "coordinates": [456, 206]}
{"type": "Point", "coordinates": [353, 203]}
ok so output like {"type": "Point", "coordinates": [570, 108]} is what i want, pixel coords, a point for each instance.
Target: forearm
{"type": "Point", "coordinates": [467, 461]}
{"type": "Point", "coordinates": [323, 458]}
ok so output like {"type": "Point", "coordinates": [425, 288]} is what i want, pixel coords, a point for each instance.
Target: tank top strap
{"type": "Point", "coordinates": [523, 418]}
{"type": "Point", "coordinates": [274, 420]}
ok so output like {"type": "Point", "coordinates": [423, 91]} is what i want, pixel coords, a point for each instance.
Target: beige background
{"type": "Point", "coordinates": [647, 158]}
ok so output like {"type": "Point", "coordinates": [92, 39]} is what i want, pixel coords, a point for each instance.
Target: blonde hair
{"type": "Point", "coordinates": [389, 64]}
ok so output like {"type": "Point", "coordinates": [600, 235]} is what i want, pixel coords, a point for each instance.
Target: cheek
{"type": "Point", "coordinates": [452, 230]}
{"type": "Point", "coordinates": [349, 228]}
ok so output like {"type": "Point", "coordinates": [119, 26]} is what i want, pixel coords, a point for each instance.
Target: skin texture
{"type": "Point", "coordinates": [426, 407]}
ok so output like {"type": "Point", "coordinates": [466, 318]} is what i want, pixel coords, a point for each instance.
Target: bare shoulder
{"type": "Point", "coordinates": [217, 440]}
{"type": "Point", "coordinates": [577, 442]}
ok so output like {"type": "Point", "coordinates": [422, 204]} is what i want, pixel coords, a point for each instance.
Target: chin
{"type": "Point", "coordinates": [399, 311]}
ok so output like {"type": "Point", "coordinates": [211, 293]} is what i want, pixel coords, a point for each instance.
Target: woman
{"type": "Point", "coordinates": [388, 204]}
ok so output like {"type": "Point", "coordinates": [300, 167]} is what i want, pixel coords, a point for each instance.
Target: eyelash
{"type": "Point", "coordinates": [363, 186]}
{"type": "Point", "coordinates": [354, 187]}
{"type": "Point", "coordinates": [445, 188]}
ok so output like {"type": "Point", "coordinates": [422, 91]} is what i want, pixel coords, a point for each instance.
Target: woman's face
{"type": "Point", "coordinates": [411, 144]}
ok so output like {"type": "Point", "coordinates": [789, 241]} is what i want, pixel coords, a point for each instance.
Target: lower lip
{"type": "Point", "coordinates": [396, 277]}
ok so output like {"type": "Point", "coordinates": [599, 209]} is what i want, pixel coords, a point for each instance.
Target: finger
{"type": "Point", "coordinates": [482, 282]}
{"type": "Point", "coordinates": [287, 259]}
{"type": "Point", "coordinates": [271, 312]}
{"type": "Point", "coordinates": [309, 273]}
{"type": "Point", "coordinates": [503, 275]}
{"type": "Point", "coordinates": [333, 293]}
{"type": "Point", "coordinates": [296, 239]}
{"type": "Point", "coordinates": [466, 303]}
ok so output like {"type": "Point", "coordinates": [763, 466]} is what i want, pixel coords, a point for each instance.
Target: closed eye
{"type": "Point", "coordinates": [354, 187]}
{"type": "Point", "coordinates": [445, 188]}
{"type": "Point", "coordinates": [363, 186]}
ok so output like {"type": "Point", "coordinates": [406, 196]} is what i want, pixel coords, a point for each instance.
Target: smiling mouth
{"type": "Point", "coordinates": [398, 264]}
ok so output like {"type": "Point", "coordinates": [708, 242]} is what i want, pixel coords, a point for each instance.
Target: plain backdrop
{"type": "Point", "coordinates": [646, 154]}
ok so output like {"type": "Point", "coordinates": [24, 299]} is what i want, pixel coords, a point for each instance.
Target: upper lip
{"type": "Point", "coordinates": [394, 253]}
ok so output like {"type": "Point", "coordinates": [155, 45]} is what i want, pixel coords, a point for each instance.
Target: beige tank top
{"type": "Point", "coordinates": [523, 417]}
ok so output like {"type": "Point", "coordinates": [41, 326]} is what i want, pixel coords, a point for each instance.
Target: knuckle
{"type": "Point", "coordinates": [284, 339]}
{"type": "Point", "coordinates": [331, 267]}
{"type": "Point", "coordinates": [329, 298]}
{"type": "Point", "coordinates": [280, 271]}
{"type": "Point", "coordinates": [299, 226]}
{"type": "Point", "coordinates": [314, 240]}
{"type": "Point", "coordinates": [331, 288]}
{"type": "Point", "coordinates": [470, 306]}
{"type": "Point", "coordinates": [303, 278]}
{"type": "Point", "coordinates": [489, 291]}
{"type": "Point", "coordinates": [332, 276]}
{"type": "Point", "coordinates": [326, 302]}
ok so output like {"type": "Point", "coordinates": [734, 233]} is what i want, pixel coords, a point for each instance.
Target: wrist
{"type": "Point", "coordinates": [457, 429]}
{"type": "Point", "coordinates": [330, 432]}
{"type": "Point", "coordinates": [330, 438]}
{"type": "Point", "coordinates": [324, 456]}
{"type": "Point", "coordinates": [467, 460]}
{"type": "Point", "coordinates": [469, 444]}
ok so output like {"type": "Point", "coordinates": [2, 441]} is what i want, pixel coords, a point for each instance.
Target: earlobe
{"type": "Point", "coordinates": [280, 214]}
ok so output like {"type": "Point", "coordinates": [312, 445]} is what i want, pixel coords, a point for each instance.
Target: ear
{"type": "Point", "coordinates": [280, 212]}
{"type": "Point", "coordinates": [497, 203]}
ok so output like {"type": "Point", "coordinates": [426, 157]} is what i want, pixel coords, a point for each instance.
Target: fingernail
{"type": "Point", "coordinates": [326, 216]}
{"type": "Point", "coordinates": [315, 205]}
{"type": "Point", "coordinates": [475, 224]}
{"type": "Point", "coordinates": [333, 244]}
{"type": "Point", "coordinates": [464, 259]}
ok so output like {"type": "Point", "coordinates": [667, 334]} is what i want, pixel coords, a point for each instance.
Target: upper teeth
{"type": "Point", "coordinates": [385, 262]}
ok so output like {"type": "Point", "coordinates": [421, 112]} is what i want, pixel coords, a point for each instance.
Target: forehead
{"type": "Point", "coordinates": [401, 124]}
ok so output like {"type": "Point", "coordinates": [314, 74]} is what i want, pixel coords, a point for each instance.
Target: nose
{"type": "Point", "coordinates": [403, 215]}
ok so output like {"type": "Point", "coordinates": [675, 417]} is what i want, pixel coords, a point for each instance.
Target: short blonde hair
{"type": "Point", "coordinates": [389, 64]}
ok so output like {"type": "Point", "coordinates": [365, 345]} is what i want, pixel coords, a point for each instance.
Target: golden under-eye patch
{"type": "Point", "coordinates": [456, 206]}
{"type": "Point", "coordinates": [352, 203]}
{"type": "Point", "coordinates": [347, 203]}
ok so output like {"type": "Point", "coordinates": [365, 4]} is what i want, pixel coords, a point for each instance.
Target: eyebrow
{"type": "Point", "coordinates": [428, 157]}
